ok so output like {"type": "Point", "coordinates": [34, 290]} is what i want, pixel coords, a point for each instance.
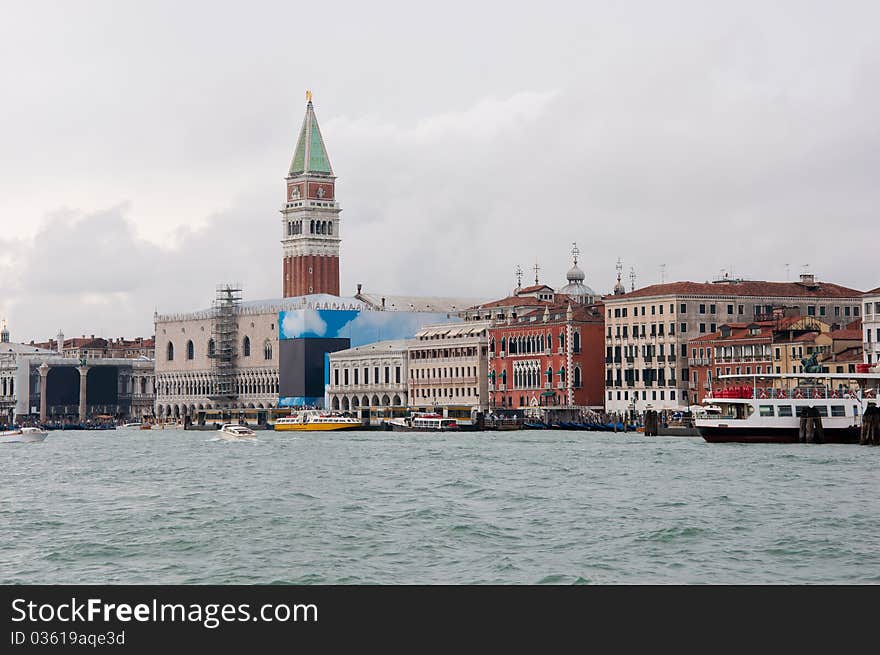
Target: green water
{"type": "Point", "coordinates": [168, 506]}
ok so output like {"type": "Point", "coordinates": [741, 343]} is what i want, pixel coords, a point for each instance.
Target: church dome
{"type": "Point", "coordinates": [575, 274]}
{"type": "Point", "coordinates": [577, 288]}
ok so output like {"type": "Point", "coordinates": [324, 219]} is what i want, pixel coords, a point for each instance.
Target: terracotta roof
{"type": "Point", "coordinates": [582, 313]}
{"type": "Point", "coordinates": [851, 354]}
{"type": "Point", "coordinates": [512, 301]}
{"type": "Point", "coordinates": [805, 337]}
{"type": "Point", "coordinates": [846, 335]}
{"type": "Point", "coordinates": [751, 288]}
{"type": "Point", "coordinates": [738, 331]}
{"type": "Point", "coordinates": [873, 292]}
{"type": "Point", "coordinates": [535, 287]}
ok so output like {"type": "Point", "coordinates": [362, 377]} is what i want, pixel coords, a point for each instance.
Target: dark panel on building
{"type": "Point", "coordinates": [102, 386]}
{"type": "Point", "coordinates": [301, 365]}
{"type": "Point", "coordinates": [62, 386]}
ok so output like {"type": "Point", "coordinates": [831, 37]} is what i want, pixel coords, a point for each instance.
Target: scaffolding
{"type": "Point", "coordinates": [224, 333]}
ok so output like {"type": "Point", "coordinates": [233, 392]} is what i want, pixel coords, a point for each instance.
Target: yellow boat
{"type": "Point", "coordinates": [316, 421]}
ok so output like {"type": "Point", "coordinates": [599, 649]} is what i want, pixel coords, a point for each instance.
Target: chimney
{"type": "Point", "coordinates": [808, 279]}
{"type": "Point", "coordinates": [359, 289]}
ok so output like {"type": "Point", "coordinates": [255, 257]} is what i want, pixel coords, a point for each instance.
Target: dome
{"type": "Point", "coordinates": [575, 274]}
{"type": "Point", "coordinates": [576, 288]}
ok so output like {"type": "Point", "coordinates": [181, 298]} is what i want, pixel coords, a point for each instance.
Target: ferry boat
{"type": "Point", "coordinates": [233, 432]}
{"type": "Point", "coordinates": [769, 409]}
{"type": "Point", "coordinates": [424, 423]}
{"type": "Point", "coordinates": [23, 435]}
{"type": "Point", "coordinates": [311, 421]}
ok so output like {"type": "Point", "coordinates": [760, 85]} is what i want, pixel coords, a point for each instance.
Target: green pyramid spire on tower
{"type": "Point", "coordinates": [310, 157]}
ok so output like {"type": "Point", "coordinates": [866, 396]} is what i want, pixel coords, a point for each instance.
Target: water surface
{"type": "Point", "coordinates": [169, 506]}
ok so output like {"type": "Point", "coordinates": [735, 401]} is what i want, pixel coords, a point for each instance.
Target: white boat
{"type": "Point", "coordinates": [424, 422]}
{"type": "Point", "coordinates": [23, 435]}
{"type": "Point", "coordinates": [131, 426]}
{"type": "Point", "coordinates": [234, 432]}
{"type": "Point", "coordinates": [769, 409]}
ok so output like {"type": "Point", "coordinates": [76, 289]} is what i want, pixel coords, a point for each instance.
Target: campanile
{"type": "Point", "coordinates": [310, 216]}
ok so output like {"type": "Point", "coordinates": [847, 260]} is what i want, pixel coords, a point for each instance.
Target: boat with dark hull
{"type": "Point", "coordinates": [789, 408]}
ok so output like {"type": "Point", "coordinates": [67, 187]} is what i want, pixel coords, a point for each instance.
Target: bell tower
{"type": "Point", "coordinates": [310, 216]}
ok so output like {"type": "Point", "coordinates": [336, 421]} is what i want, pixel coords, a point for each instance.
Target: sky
{"type": "Point", "coordinates": [145, 145]}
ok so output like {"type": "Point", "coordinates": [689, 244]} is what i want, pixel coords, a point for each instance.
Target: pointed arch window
{"type": "Point", "coordinates": [190, 350]}
{"type": "Point", "coordinates": [246, 347]}
{"type": "Point", "coordinates": [267, 350]}
{"type": "Point", "coordinates": [576, 342]}
{"type": "Point", "coordinates": [169, 352]}
{"type": "Point", "coordinates": [577, 377]}
{"type": "Point", "coordinates": [211, 348]}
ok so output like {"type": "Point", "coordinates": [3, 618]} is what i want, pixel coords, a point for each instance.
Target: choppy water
{"type": "Point", "coordinates": [373, 507]}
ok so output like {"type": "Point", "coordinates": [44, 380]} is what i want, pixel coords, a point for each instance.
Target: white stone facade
{"type": "Point", "coordinates": [650, 332]}
{"type": "Point", "coordinates": [185, 373]}
{"type": "Point", "coordinates": [448, 365]}
{"type": "Point", "coordinates": [373, 375]}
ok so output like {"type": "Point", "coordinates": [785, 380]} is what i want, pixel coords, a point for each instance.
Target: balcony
{"type": "Point", "coordinates": [560, 385]}
{"type": "Point", "coordinates": [547, 385]}
{"type": "Point", "coordinates": [630, 360]}
{"type": "Point", "coordinates": [661, 358]}
{"type": "Point", "coordinates": [502, 387]}
{"type": "Point", "coordinates": [548, 352]}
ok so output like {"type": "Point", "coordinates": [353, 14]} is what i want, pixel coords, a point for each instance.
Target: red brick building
{"type": "Point", "coordinates": [746, 346]}
{"type": "Point", "coordinates": [548, 357]}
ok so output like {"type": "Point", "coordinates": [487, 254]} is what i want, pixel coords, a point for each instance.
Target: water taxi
{"type": "Point", "coordinates": [769, 408]}
{"type": "Point", "coordinates": [23, 435]}
{"type": "Point", "coordinates": [424, 423]}
{"type": "Point", "coordinates": [317, 420]}
{"type": "Point", "coordinates": [234, 432]}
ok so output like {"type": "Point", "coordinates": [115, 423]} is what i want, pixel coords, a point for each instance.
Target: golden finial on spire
{"type": "Point", "coordinates": [308, 96]}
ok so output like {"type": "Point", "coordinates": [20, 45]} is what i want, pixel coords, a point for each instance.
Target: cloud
{"type": "Point", "coordinates": [699, 138]}
{"type": "Point", "coordinates": [303, 321]}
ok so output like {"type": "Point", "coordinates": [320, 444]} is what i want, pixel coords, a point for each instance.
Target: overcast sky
{"type": "Point", "coordinates": [144, 146]}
